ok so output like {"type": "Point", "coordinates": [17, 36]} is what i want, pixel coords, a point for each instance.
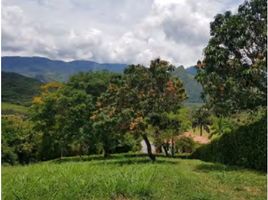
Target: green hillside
{"type": "Point", "coordinates": [192, 87]}
{"type": "Point", "coordinates": [10, 109]}
{"type": "Point", "coordinates": [18, 89]}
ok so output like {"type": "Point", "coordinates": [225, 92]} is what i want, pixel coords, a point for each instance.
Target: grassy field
{"type": "Point", "coordinates": [9, 108]}
{"type": "Point", "coordinates": [124, 177]}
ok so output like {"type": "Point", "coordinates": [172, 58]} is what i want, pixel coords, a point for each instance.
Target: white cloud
{"type": "Point", "coordinates": [110, 30]}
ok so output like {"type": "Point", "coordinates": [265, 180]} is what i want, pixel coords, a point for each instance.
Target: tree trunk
{"type": "Point", "coordinates": [149, 148]}
{"type": "Point", "coordinates": [158, 149]}
{"type": "Point", "coordinates": [172, 147]}
{"type": "Point", "coordinates": [158, 145]}
{"type": "Point", "coordinates": [61, 153]}
{"type": "Point", "coordinates": [201, 131]}
{"type": "Point", "coordinates": [80, 150]}
{"type": "Point", "coordinates": [105, 152]}
{"type": "Point", "coordinates": [165, 149]}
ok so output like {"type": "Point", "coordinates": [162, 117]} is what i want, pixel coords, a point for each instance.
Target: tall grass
{"type": "Point", "coordinates": [130, 178]}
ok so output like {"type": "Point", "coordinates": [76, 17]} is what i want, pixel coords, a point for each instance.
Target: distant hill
{"type": "Point", "coordinates": [192, 87]}
{"type": "Point", "coordinates": [46, 70]}
{"type": "Point", "coordinates": [192, 70]}
{"type": "Point", "coordinates": [18, 89]}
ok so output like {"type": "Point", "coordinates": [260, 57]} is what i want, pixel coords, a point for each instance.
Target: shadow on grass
{"type": "Point", "coordinates": [142, 161]}
{"type": "Point", "coordinates": [182, 156]}
{"type": "Point", "coordinates": [117, 159]}
{"type": "Point", "coordinates": [209, 167]}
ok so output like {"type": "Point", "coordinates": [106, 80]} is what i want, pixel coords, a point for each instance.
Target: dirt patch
{"type": "Point", "coordinates": [197, 138]}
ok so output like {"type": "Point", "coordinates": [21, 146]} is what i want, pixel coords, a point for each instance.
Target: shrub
{"type": "Point", "coordinates": [185, 145]}
{"type": "Point", "coordinates": [9, 155]}
{"type": "Point", "coordinates": [245, 146]}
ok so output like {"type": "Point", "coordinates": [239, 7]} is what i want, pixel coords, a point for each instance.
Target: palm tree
{"type": "Point", "coordinates": [201, 119]}
{"type": "Point", "coordinates": [220, 126]}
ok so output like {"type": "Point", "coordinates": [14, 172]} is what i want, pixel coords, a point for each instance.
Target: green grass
{"type": "Point", "coordinates": [9, 108]}
{"type": "Point", "coordinates": [124, 177]}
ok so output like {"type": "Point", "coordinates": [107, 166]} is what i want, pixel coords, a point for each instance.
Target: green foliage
{"type": "Point", "coordinates": [93, 83]}
{"type": "Point", "coordinates": [185, 145]}
{"type": "Point", "coordinates": [201, 119]}
{"type": "Point", "coordinates": [245, 146]}
{"type": "Point", "coordinates": [137, 94]}
{"type": "Point", "coordinates": [167, 126]}
{"type": "Point", "coordinates": [221, 125]}
{"type": "Point", "coordinates": [127, 143]}
{"type": "Point", "coordinates": [132, 177]}
{"type": "Point", "coordinates": [62, 115]}
{"type": "Point", "coordinates": [233, 73]}
{"type": "Point", "coordinates": [19, 142]}
{"type": "Point", "coordinates": [18, 89]}
{"type": "Point", "coordinates": [183, 115]}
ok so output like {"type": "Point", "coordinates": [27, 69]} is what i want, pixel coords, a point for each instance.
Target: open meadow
{"type": "Point", "coordinates": [126, 176]}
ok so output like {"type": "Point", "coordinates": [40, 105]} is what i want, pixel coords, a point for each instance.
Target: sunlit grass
{"type": "Point", "coordinates": [9, 108]}
{"type": "Point", "coordinates": [128, 177]}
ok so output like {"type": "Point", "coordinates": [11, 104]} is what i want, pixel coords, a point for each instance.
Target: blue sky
{"type": "Point", "coordinates": [115, 31]}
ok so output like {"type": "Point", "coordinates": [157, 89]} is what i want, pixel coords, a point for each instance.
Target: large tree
{"type": "Point", "coordinates": [138, 93]}
{"type": "Point", "coordinates": [61, 113]}
{"type": "Point", "coordinates": [233, 72]}
{"type": "Point", "coordinates": [93, 83]}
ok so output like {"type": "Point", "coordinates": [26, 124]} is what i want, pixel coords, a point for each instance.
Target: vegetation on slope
{"type": "Point", "coordinates": [192, 87]}
{"type": "Point", "coordinates": [12, 109]}
{"type": "Point", "coordinates": [18, 89]}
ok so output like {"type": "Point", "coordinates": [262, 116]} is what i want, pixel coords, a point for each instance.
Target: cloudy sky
{"type": "Point", "coordinates": [115, 31]}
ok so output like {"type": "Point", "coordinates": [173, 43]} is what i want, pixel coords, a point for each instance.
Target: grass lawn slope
{"type": "Point", "coordinates": [9, 108]}
{"type": "Point", "coordinates": [126, 176]}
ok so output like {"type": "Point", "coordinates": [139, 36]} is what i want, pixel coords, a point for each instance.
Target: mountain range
{"type": "Point", "coordinates": [43, 70]}
{"type": "Point", "coordinates": [46, 70]}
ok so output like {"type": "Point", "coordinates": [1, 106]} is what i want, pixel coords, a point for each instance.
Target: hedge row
{"type": "Point", "coordinates": [246, 146]}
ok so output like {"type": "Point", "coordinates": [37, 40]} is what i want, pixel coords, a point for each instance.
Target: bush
{"type": "Point", "coordinates": [127, 143]}
{"type": "Point", "coordinates": [19, 141]}
{"type": "Point", "coordinates": [9, 155]}
{"type": "Point", "coordinates": [185, 145]}
{"type": "Point", "coordinates": [245, 146]}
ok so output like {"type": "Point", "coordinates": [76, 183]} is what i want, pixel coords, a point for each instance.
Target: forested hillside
{"type": "Point", "coordinates": [192, 87]}
{"type": "Point", "coordinates": [18, 89]}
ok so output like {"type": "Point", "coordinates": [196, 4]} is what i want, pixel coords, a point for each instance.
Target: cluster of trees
{"type": "Point", "coordinates": [99, 112]}
{"type": "Point", "coordinates": [233, 74]}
